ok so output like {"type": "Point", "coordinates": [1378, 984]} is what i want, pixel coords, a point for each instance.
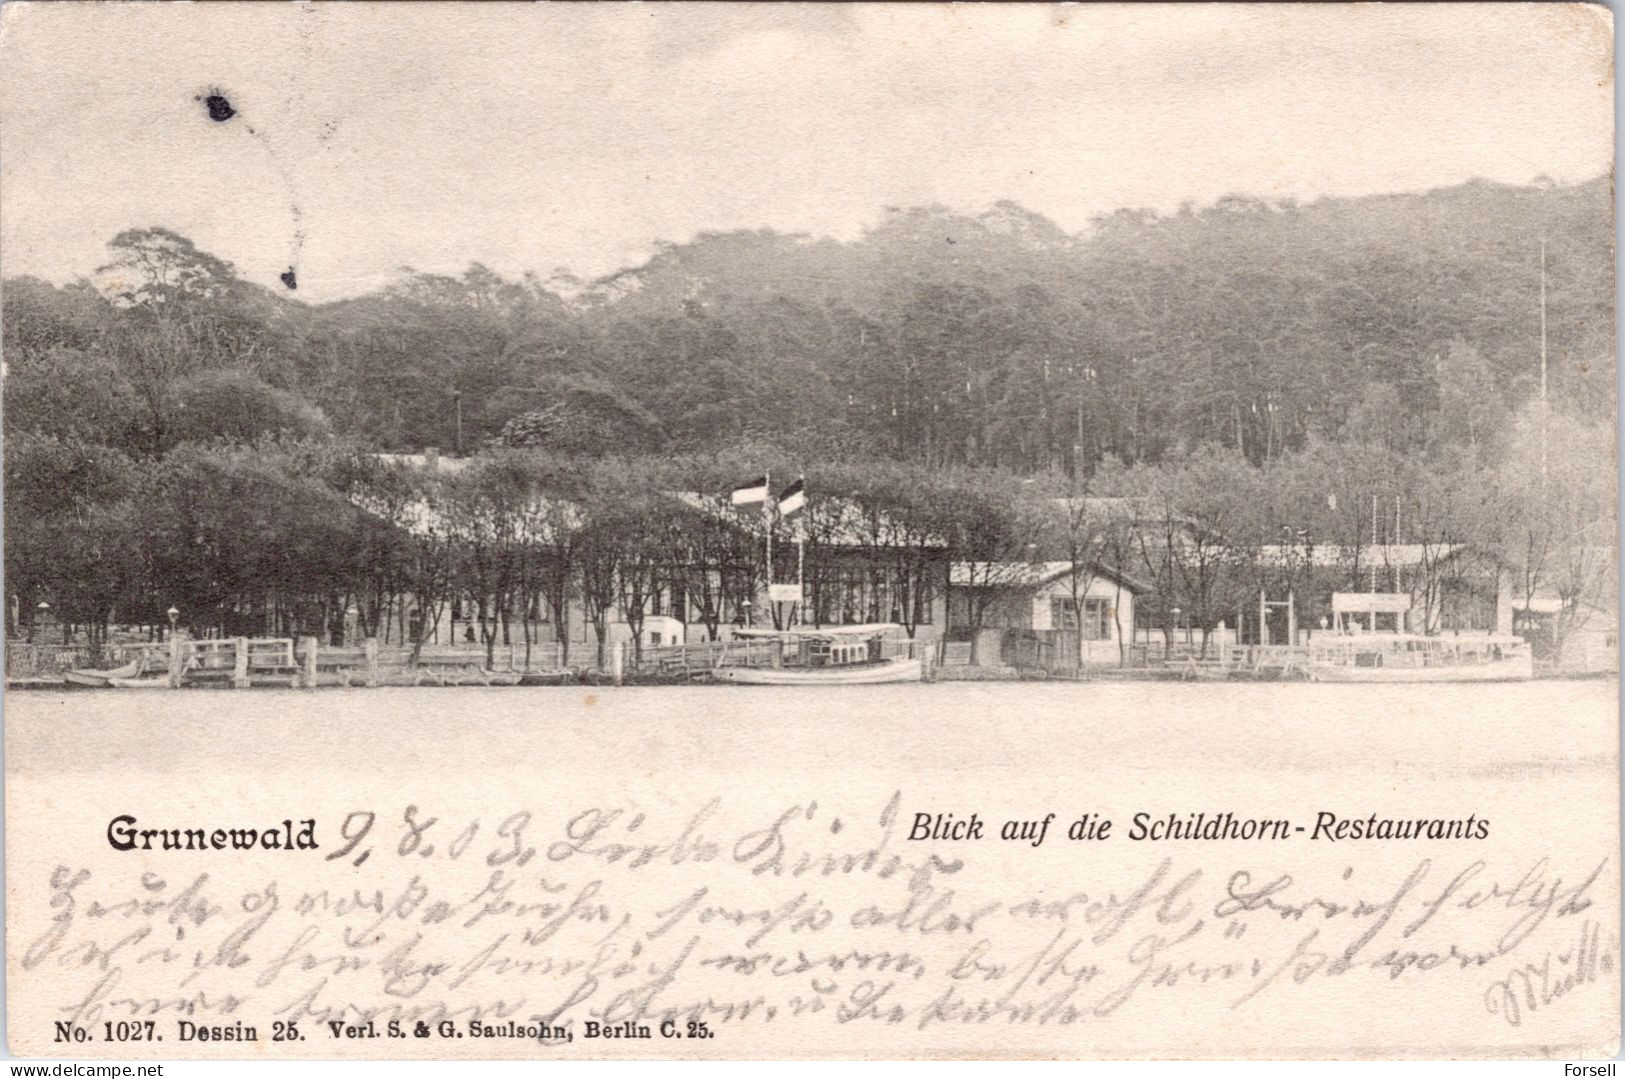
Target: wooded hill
{"type": "Point", "coordinates": [994, 339]}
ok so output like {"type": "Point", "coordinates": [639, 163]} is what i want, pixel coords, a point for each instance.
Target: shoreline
{"type": "Point", "coordinates": [597, 680]}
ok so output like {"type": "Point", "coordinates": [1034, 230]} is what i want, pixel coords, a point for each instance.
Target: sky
{"type": "Point", "coordinates": [371, 137]}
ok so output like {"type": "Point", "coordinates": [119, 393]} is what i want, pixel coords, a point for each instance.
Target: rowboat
{"type": "Point", "coordinates": [156, 681]}
{"type": "Point", "coordinates": [831, 656]}
{"type": "Point", "coordinates": [94, 679]}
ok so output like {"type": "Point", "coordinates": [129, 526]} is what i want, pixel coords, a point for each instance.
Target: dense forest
{"type": "Point", "coordinates": [1376, 348]}
{"type": "Point", "coordinates": [994, 339]}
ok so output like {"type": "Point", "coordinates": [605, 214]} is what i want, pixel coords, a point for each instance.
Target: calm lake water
{"type": "Point", "coordinates": [1515, 730]}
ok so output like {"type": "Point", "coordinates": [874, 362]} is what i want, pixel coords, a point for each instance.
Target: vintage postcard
{"type": "Point", "coordinates": [754, 531]}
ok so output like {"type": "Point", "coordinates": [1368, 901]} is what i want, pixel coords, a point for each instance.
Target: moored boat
{"type": "Point", "coordinates": [1410, 657]}
{"type": "Point", "coordinates": [94, 679]}
{"type": "Point", "coordinates": [831, 656]}
{"type": "Point", "coordinates": [862, 674]}
{"type": "Point", "coordinates": [156, 681]}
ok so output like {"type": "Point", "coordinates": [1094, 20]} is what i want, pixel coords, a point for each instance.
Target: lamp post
{"type": "Point", "coordinates": [746, 607]}
{"type": "Point", "coordinates": [174, 617]}
{"type": "Point", "coordinates": [457, 401]}
{"type": "Point", "coordinates": [39, 618]}
{"type": "Point", "coordinates": [1297, 547]}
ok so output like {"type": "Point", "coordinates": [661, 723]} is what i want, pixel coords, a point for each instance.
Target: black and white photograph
{"type": "Point", "coordinates": [785, 531]}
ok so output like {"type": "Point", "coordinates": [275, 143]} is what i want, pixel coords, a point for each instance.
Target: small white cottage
{"type": "Point", "coordinates": [1096, 604]}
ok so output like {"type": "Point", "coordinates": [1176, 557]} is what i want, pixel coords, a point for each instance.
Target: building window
{"type": "Point", "coordinates": [1095, 624]}
{"type": "Point", "coordinates": [1096, 620]}
{"type": "Point", "coordinates": [1063, 614]}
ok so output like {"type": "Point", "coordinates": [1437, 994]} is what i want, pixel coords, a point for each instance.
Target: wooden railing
{"type": "Point", "coordinates": [1266, 656]}
{"type": "Point", "coordinates": [690, 659]}
{"type": "Point", "coordinates": [25, 660]}
{"type": "Point", "coordinates": [901, 648]}
{"type": "Point", "coordinates": [241, 661]}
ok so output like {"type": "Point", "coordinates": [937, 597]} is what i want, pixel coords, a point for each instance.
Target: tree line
{"type": "Point", "coordinates": [318, 536]}
{"type": "Point", "coordinates": [302, 536]}
{"type": "Point", "coordinates": [1162, 394]}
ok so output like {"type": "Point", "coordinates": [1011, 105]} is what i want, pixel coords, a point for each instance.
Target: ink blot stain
{"type": "Point", "coordinates": [290, 279]}
{"type": "Point", "coordinates": [220, 109]}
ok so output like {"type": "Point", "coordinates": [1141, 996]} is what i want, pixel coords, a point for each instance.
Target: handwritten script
{"type": "Point", "coordinates": [618, 921]}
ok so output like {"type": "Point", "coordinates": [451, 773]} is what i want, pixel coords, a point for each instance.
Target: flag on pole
{"type": "Point", "coordinates": [748, 494]}
{"type": "Point", "coordinates": [793, 499]}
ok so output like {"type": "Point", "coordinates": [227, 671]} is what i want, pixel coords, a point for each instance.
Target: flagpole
{"type": "Point", "coordinates": [801, 550]}
{"type": "Point", "coordinates": [767, 522]}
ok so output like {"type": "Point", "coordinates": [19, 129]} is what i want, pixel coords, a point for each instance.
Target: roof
{"type": "Point", "coordinates": [1546, 600]}
{"type": "Point", "coordinates": [838, 521]}
{"type": "Point", "coordinates": [1374, 554]}
{"type": "Point", "coordinates": [1371, 602]}
{"type": "Point", "coordinates": [1029, 574]}
{"type": "Point", "coordinates": [1119, 507]}
{"type": "Point", "coordinates": [867, 629]}
{"type": "Point", "coordinates": [422, 518]}
{"type": "Point", "coordinates": [441, 462]}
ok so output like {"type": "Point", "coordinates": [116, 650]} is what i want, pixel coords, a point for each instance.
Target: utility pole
{"type": "Point", "coordinates": [1373, 585]}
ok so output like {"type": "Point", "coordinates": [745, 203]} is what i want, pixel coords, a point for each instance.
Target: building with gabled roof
{"type": "Point", "coordinates": [845, 571]}
{"type": "Point", "coordinates": [1088, 615]}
